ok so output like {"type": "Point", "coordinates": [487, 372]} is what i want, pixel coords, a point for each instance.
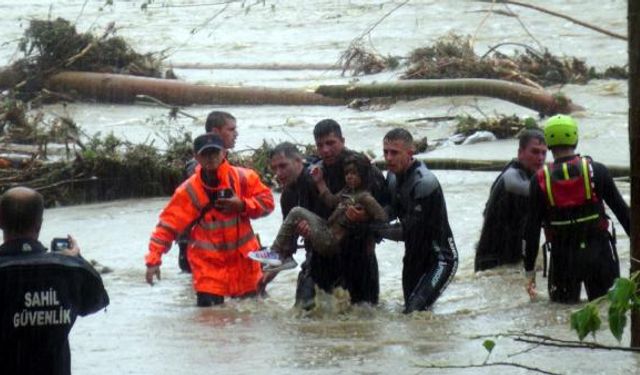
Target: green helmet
{"type": "Point", "coordinates": [561, 130]}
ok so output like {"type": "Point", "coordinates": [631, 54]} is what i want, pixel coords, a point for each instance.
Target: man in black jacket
{"type": "Point", "coordinates": [506, 210]}
{"type": "Point", "coordinates": [567, 198]}
{"type": "Point", "coordinates": [42, 292]}
{"type": "Point", "coordinates": [430, 258]}
{"type": "Point", "coordinates": [355, 269]}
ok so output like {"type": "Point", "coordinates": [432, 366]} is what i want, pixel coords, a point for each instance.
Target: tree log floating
{"type": "Point", "coordinates": [124, 89]}
{"type": "Point", "coordinates": [240, 66]}
{"type": "Point", "coordinates": [526, 96]}
{"type": "Point", "coordinates": [487, 165]}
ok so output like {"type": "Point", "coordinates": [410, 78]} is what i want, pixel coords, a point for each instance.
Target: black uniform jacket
{"type": "Point", "coordinates": [42, 293]}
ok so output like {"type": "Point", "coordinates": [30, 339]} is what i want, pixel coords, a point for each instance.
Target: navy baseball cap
{"type": "Point", "coordinates": [207, 141]}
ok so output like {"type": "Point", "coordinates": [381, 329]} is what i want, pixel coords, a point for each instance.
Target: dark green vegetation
{"type": "Point", "coordinates": [621, 299]}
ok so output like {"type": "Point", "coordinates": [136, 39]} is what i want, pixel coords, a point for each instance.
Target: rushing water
{"type": "Point", "coordinates": [159, 330]}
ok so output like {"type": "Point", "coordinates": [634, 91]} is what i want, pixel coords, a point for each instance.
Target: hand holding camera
{"type": "Point", "coordinates": [228, 202]}
{"type": "Point", "coordinates": [65, 246]}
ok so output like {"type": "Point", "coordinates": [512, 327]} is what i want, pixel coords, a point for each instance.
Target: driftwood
{"type": "Point", "coordinates": [539, 100]}
{"type": "Point", "coordinates": [124, 89]}
{"type": "Point", "coordinates": [487, 165]}
{"type": "Point", "coordinates": [270, 66]}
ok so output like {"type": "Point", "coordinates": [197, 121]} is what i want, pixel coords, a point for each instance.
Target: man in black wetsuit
{"type": "Point", "coordinates": [356, 268]}
{"type": "Point", "coordinates": [42, 292]}
{"type": "Point", "coordinates": [506, 209]}
{"type": "Point", "coordinates": [431, 258]}
{"type": "Point", "coordinates": [567, 198]}
{"type": "Point", "coordinates": [298, 189]}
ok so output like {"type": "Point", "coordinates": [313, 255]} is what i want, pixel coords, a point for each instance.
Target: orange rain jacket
{"type": "Point", "coordinates": [219, 242]}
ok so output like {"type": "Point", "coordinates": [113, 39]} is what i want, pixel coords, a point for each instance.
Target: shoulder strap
{"type": "Point", "coordinates": [207, 207]}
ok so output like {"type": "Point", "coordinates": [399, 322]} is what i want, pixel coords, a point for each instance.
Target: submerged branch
{"type": "Point", "coordinates": [490, 364]}
{"type": "Point", "coordinates": [484, 165]}
{"type": "Point", "coordinates": [173, 109]}
{"type": "Point", "coordinates": [533, 338]}
{"type": "Point", "coordinates": [257, 66]}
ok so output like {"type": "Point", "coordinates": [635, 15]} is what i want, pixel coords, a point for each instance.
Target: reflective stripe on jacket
{"type": "Point", "coordinates": [570, 192]}
{"type": "Point", "coordinates": [219, 242]}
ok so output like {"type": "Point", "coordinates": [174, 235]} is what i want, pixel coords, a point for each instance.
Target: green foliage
{"type": "Point", "coordinates": [489, 345]}
{"type": "Point", "coordinates": [586, 320]}
{"type": "Point", "coordinates": [622, 297]}
{"type": "Point", "coordinates": [617, 321]}
{"type": "Point", "coordinates": [52, 41]}
{"type": "Point", "coordinates": [49, 46]}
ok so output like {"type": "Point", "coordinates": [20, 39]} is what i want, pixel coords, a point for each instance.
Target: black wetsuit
{"type": "Point", "coordinates": [431, 258]}
{"type": "Point", "coordinates": [504, 218]}
{"type": "Point", "coordinates": [355, 268]}
{"type": "Point", "coordinates": [581, 252]}
{"type": "Point", "coordinates": [42, 294]}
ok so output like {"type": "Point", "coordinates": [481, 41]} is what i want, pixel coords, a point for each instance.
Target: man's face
{"type": "Point", "coordinates": [533, 155]}
{"type": "Point", "coordinates": [228, 132]}
{"type": "Point", "coordinates": [398, 155]}
{"type": "Point", "coordinates": [210, 159]}
{"type": "Point", "coordinates": [286, 170]}
{"type": "Point", "coordinates": [329, 148]}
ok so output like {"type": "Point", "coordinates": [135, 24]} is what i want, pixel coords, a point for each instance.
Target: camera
{"type": "Point", "coordinates": [59, 244]}
{"type": "Point", "coordinates": [224, 193]}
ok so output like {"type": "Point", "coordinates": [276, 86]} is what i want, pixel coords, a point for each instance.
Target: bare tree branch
{"type": "Point", "coordinates": [543, 10]}
{"type": "Point", "coordinates": [491, 364]}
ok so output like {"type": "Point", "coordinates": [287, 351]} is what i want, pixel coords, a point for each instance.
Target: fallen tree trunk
{"type": "Point", "coordinates": [271, 66]}
{"type": "Point", "coordinates": [526, 96]}
{"type": "Point", "coordinates": [487, 165]}
{"type": "Point", "coordinates": [124, 89]}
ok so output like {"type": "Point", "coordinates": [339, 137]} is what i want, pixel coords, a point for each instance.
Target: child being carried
{"type": "Point", "coordinates": [354, 203]}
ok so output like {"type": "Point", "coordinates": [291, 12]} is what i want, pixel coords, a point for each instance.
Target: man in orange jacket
{"type": "Point", "coordinates": [219, 199]}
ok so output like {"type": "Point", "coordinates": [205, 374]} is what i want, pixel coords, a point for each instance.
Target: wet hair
{"type": "Point", "coordinates": [288, 149]}
{"type": "Point", "coordinates": [528, 135]}
{"type": "Point", "coordinates": [217, 119]}
{"type": "Point", "coordinates": [399, 134]}
{"type": "Point", "coordinates": [362, 166]}
{"type": "Point", "coordinates": [21, 211]}
{"type": "Point", "coordinates": [326, 127]}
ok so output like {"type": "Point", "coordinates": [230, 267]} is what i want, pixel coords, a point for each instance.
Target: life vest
{"type": "Point", "coordinates": [571, 198]}
{"type": "Point", "coordinates": [218, 242]}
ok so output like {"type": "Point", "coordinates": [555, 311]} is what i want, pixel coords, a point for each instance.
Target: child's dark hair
{"type": "Point", "coordinates": [362, 165]}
